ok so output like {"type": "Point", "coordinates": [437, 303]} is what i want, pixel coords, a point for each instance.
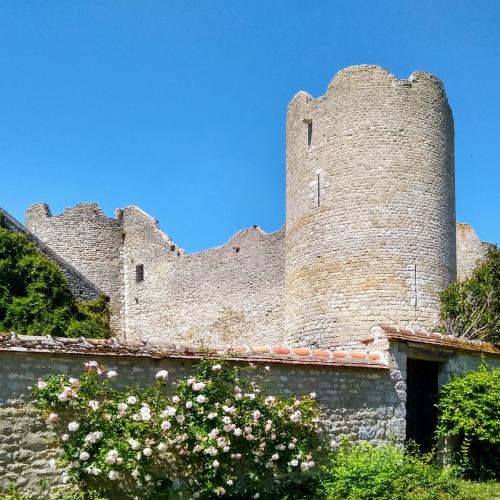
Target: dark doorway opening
{"type": "Point", "coordinates": [422, 396]}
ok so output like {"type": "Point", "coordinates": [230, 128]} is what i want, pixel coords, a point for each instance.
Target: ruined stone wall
{"type": "Point", "coordinates": [361, 403]}
{"type": "Point", "coordinates": [370, 228]}
{"type": "Point", "coordinates": [78, 284]}
{"type": "Point", "coordinates": [470, 250]}
{"type": "Point", "coordinates": [228, 294]}
{"type": "Point", "coordinates": [90, 242]}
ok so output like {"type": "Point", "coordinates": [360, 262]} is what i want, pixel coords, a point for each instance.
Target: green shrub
{"type": "Point", "coordinates": [219, 434]}
{"type": "Point", "coordinates": [471, 308]}
{"type": "Point", "coordinates": [469, 409]}
{"type": "Point", "coordinates": [35, 298]}
{"type": "Point", "coordinates": [363, 471]}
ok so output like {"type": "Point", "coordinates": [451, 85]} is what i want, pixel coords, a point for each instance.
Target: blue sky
{"type": "Point", "coordinates": [179, 106]}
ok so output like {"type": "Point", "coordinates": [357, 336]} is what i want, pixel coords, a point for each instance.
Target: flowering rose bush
{"type": "Point", "coordinates": [220, 433]}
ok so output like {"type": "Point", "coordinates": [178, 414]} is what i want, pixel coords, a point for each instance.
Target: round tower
{"type": "Point", "coordinates": [370, 210]}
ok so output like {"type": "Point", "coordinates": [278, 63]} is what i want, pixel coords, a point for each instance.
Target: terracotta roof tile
{"type": "Point", "coordinates": [260, 353]}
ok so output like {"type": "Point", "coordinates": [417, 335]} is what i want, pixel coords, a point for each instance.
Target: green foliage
{"type": "Point", "coordinates": [35, 298]}
{"type": "Point", "coordinates": [220, 433]}
{"type": "Point", "coordinates": [363, 471]}
{"type": "Point", "coordinates": [471, 308]}
{"type": "Point", "coordinates": [469, 409]}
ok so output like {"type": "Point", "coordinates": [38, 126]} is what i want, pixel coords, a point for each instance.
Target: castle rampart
{"type": "Point", "coordinates": [369, 239]}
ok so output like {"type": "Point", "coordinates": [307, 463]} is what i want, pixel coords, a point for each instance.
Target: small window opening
{"type": "Point", "coordinates": [139, 273]}
{"type": "Point", "coordinates": [309, 133]}
{"type": "Point", "coordinates": [172, 248]}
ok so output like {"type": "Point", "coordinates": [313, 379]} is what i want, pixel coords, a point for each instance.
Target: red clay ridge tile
{"type": "Point", "coordinates": [261, 348]}
{"type": "Point", "coordinates": [389, 328]}
{"type": "Point", "coordinates": [238, 348]}
{"type": "Point", "coordinates": [358, 355]}
{"type": "Point", "coordinates": [339, 354]}
{"type": "Point", "coordinates": [301, 351]}
{"type": "Point", "coordinates": [280, 350]}
{"type": "Point", "coordinates": [321, 354]}
{"type": "Point", "coordinates": [374, 356]}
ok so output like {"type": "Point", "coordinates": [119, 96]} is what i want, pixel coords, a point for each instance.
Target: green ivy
{"type": "Point", "coordinates": [35, 298]}
{"type": "Point", "coordinates": [471, 308]}
{"type": "Point", "coordinates": [469, 409]}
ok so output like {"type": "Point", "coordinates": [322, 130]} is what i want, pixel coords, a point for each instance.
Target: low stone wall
{"type": "Point", "coordinates": [359, 402]}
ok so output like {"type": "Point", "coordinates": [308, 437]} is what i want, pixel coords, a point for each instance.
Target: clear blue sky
{"type": "Point", "coordinates": [179, 106]}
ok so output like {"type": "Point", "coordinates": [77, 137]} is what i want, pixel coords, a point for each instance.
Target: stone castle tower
{"type": "Point", "coordinates": [370, 211]}
{"type": "Point", "coordinates": [369, 238]}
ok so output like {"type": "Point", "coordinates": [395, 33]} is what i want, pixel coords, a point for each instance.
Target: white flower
{"type": "Point", "coordinates": [112, 457]}
{"type": "Point", "coordinates": [295, 417]}
{"type": "Point", "coordinates": [52, 463]}
{"type": "Point", "coordinates": [189, 404]}
{"type": "Point", "coordinates": [236, 456]}
{"type": "Point", "coordinates": [135, 473]}
{"type": "Point", "coordinates": [197, 448]}
{"type": "Point", "coordinates": [215, 463]}
{"type": "Point", "coordinates": [161, 447]}
{"type": "Point", "coordinates": [291, 446]}
{"type": "Point", "coordinates": [74, 381]}
{"type": "Point", "coordinates": [94, 404]}
{"type": "Point", "coordinates": [237, 431]}
{"type": "Point", "coordinates": [268, 368]}
{"type": "Point", "coordinates": [180, 418]}
{"type": "Point", "coordinates": [91, 364]}
{"type": "Point", "coordinates": [165, 425]}
{"type": "Point", "coordinates": [269, 400]}
{"type": "Point", "coordinates": [148, 478]}
{"type": "Point", "coordinates": [41, 384]}
{"type": "Point", "coordinates": [175, 399]}
{"type": "Point", "coordinates": [65, 437]}
{"type": "Point", "coordinates": [257, 495]}
{"type": "Point", "coordinates": [169, 412]}
{"type": "Point", "coordinates": [113, 474]}
{"type": "Point", "coordinates": [230, 482]}
{"type": "Point", "coordinates": [294, 462]}
{"type": "Point", "coordinates": [201, 398]}
{"type": "Point", "coordinates": [250, 396]}
{"type": "Point", "coordinates": [248, 430]}
{"type": "Point", "coordinates": [145, 413]}
{"type": "Point", "coordinates": [162, 374]}
{"type": "Point", "coordinates": [122, 406]}
{"type": "Point", "coordinates": [93, 470]}
{"type": "Point", "coordinates": [275, 457]}
{"type": "Point", "coordinates": [147, 452]}
{"type": "Point", "coordinates": [211, 416]}
{"type": "Point", "coordinates": [269, 426]}
{"type": "Point", "coordinates": [198, 386]}
{"type": "Point", "coordinates": [131, 400]}
{"type": "Point", "coordinates": [229, 409]}
{"type": "Point", "coordinates": [256, 415]}
{"type": "Point", "coordinates": [134, 444]}
{"type": "Point", "coordinates": [73, 426]}
{"type": "Point", "coordinates": [84, 456]}
{"type": "Point", "coordinates": [280, 447]}
{"type": "Point", "coordinates": [216, 367]}
{"type": "Point", "coordinates": [219, 490]}
{"type": "Point", "coordinates": [112, 374]}
{"type": "Point", "coordinates": [53, 417]}
{"type": "Point", "coordinates": [312, 395]}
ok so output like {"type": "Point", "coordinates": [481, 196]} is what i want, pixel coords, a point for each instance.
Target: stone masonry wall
{"type": "Point", "coordinates": [228, 294]}
{"type": "Point", "coordinates": [90, 242]}
{"type": "Point", "coordinates": [470, 250]}
{"type": "Point", "coordinates": [370, 228]}
{"type": "Point", "coordinates": [361, 403]}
